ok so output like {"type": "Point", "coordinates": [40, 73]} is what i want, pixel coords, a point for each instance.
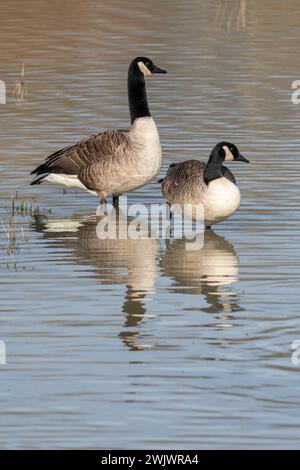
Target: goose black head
{"type": "Point", "coordinates": [229, 152]}
{"type": "Point", "coordinates": [224, 151]}
{"type": "Point", "coordinates": [144, 66]}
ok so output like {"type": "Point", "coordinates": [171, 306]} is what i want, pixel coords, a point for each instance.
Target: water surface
{"type": "Point", "coordinates": [139, 343]}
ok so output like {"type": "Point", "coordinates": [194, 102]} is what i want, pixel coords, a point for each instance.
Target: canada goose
{"type": "Point", "coordinates": [117, 161]}
{"type": "Point", "coordinates": [210, 184]}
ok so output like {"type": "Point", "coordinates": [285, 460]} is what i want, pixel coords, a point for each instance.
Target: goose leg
{"type": "Point", "coordinates": [170, 215]}
{"type": "Point", "coordinates": [115, 201]}
{"type": "Point", "coordinates": [102, 197]}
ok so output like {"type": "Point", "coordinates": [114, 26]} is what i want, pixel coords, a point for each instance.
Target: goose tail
{"type": "Point", "coordinates": [38, 180]}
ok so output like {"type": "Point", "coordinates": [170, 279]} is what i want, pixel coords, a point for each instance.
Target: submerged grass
{"type": "Point", "coordinates": [23, 207]}
{"type": "Point", "coordinates": [20, 91]}
{"type": "Point", "coordinates": [231, 14]}
{"type": "Point", "coordinates": [27, 208]}
{"type": "Point", "coordinates": [14, 234]}
{"type": "Point", "coordinates": [14, 242]}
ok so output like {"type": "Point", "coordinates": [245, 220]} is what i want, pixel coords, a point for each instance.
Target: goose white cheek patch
{"type": "Point", "coordinates": [228, 157]}
{"type": "Point", "coordinates": [144, 69]}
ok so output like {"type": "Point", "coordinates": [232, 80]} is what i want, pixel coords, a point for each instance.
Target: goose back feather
{"type": "Point", "coordinates": [185, 181]}
{"type": "Point", "coordinates": [70, 160]}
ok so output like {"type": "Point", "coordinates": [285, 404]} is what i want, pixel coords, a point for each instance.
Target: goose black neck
{"type": "Point", "coordinates": [213, 168]}
{"type": "Point", "coordinates": [138, 103]}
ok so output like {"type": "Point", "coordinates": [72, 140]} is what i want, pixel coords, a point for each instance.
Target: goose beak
{"type": "Point", "coordinates": [240, 158]}
{"type": "Point", "coordinates": [157, 70]}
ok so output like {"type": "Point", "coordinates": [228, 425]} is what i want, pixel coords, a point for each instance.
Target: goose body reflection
{"type": "Point", "coordinates": [129, 262]}
{"type": "Point", "coordinates": [206, 192]}
{"type": "Point", "coordinates": [205, 271]}
{"type": "Point", "coordinates": [114, 261]}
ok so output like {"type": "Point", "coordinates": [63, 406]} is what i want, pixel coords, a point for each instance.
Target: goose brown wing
{"type": "Point", "coordinates": [96, 148]}
{"type": "Point", "coordinates": [185, 170]}
{"type": "Point", "coordinates": [184, 180]}
{"type": "Point", "coordinates": [193, 168]}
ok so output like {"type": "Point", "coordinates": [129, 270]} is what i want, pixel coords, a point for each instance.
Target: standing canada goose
{"type": "Point", "coordinates": [117, 161]}
{"type": "Point", "coordinates": [210, 184]}
{"type": "Point", "coordinates": [132, 262]}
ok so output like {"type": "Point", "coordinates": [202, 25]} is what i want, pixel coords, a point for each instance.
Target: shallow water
{"type": "Point", "coordinates": [139, 343]}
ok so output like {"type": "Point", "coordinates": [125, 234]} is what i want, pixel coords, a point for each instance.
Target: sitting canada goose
{"type": "Point", "coordinates": [210, 184]}
{"type": "Point", "coordinates": [117, 161]}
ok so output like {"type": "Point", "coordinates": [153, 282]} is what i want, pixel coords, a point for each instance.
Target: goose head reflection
{"type": "Point", "coordinates": [129, 262]}
{"type": "Point", "coordinates": [210, 271]}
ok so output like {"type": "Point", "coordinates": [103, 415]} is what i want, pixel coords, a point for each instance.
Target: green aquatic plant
{"type": "Point", "coordinates": [14, 234]}
{"type": "Point", "coordinates": [23, 207]}
{"type": "Point", "coordinates": [231, 14]}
